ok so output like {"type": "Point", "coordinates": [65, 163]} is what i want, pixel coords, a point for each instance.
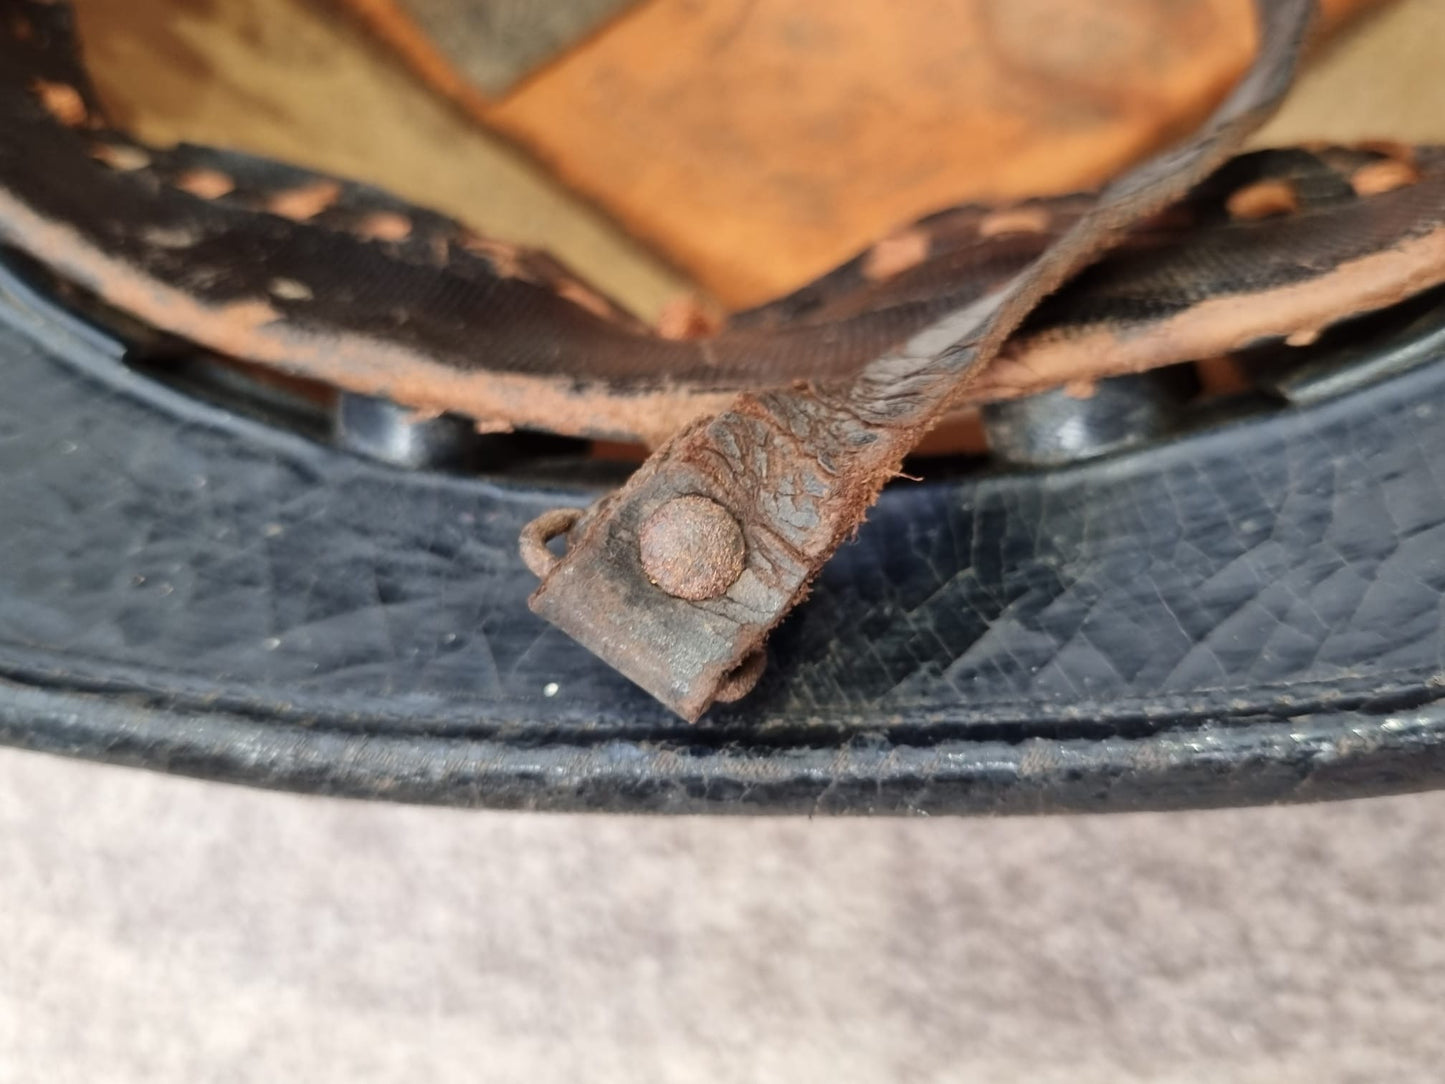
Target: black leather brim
{"type": "Point", "coordinates": [1248, 614]}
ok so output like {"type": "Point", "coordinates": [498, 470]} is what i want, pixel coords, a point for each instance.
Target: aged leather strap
{"type": "Point", "coordinates": [677, 579]}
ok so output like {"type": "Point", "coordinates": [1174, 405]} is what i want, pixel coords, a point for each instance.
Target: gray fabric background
{"type": "Point", "coordinates": [160, 929]}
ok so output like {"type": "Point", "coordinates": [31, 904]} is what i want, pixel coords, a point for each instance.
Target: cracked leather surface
{"type": "Point", "coordinates": [1277, 567]}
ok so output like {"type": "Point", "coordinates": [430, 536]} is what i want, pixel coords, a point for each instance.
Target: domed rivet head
{"type": "Point", "coordinates": [692, 548]}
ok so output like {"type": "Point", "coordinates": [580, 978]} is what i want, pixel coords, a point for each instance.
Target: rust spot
{"type": "Point", "coordinates": [22, 28]}
{"type": "Point", "coordinates": [120, 156]}
{"type": "Point", "coordinates": [1221, 375]}
{"type": "Point", "coordinates": [62, 101]}
{"type": "Point", "coordinates": [1261, 200]}
{"type": "Point", "coordinates": [1385, 175]}
{"type": "Point", "coordinates": [1014, 220]}
{"type": "Point", "coordinates": [384, 226]}
{"type": "Point", "coordinates": [896, 254]}
{"type": "Point", "coordinates": [688, 317]}
{"type": "Point", "coordinates": [304, 203]}
{"type": "Point", "coordinates": [206, 183]}
{"type": "Point", "coordinates": [291, 290]}
{"type": "Point", "coordinates": [959, 433]}
{"type": "Point", "coordinates": [618, 451]}
{"type": "Point", "coordinates": [692, 548]}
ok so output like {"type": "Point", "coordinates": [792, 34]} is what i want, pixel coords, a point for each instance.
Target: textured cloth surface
{"type": "Point", "coordinates": [161, 929]}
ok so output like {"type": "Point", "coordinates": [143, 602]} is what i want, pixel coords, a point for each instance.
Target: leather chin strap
{"type": "Point", "coordinates": [677, 579]}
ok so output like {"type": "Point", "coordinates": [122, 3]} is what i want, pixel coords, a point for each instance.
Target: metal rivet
{"type": "Point", "coordinates": [692, 548]}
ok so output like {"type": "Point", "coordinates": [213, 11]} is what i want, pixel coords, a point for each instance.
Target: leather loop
{"type": "Point", "coordinates": [532, 545]}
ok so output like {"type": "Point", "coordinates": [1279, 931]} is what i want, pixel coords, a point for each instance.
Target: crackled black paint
{"type": "Point", "coordinates": [1249, 614]}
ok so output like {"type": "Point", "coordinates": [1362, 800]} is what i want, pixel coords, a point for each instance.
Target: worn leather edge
{"type": "Point", "coordinates": [549, 377]}
{"type": "Point", "coordinates": [1328, 756]}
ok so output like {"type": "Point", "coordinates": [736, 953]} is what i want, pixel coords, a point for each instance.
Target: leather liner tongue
{"type": "Point", "coordinates": [792, 473]}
